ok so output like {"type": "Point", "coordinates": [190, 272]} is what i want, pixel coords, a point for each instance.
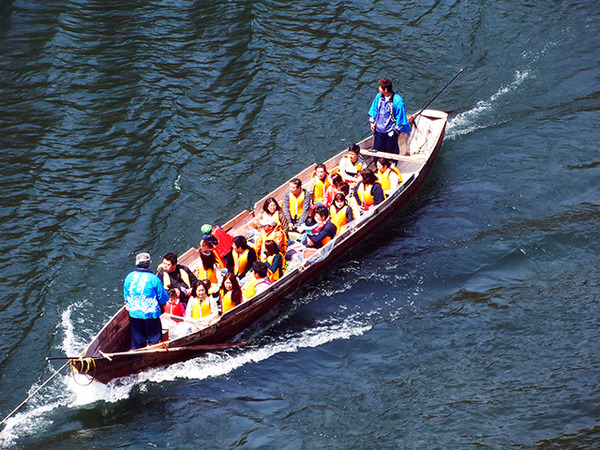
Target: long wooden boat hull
{"type": "Point", "coordinates": [107, 357]}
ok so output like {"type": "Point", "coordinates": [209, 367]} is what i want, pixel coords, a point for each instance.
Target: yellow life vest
{"type": "Point", "coordinates": [319, 190]}
{"type": "Point", "coordinates": [205, 308]}
{"type": "Point", "coordinates": [266, 215]}
{"type": "Point", "coordinates": [296, 205]}
{"type": "Point", "coordinates": [249, 289]}
{"type": "Point", "coordinates": [357, 164]}
{"type": "Point", "coordinates": [195, 304]}
{"type": "Point", "coordinates": [279, 272]}
{"type": "Point", "coordinates": [184, 276]}
{"type": "Point", "coordinates": [264, 237]}
{"type": "Point", "coordinates": [384, 178]}
{"type": "Point", "coordinates": [338, 218]}
{"type": "Point", "coordinates": [366, 196]}
{"type": "Point", "coordinates": [226, 301]}
{"type": "Point", "coordinates": [200, 309]}
{"type": "Point", "coordinates": [208, 274]}
{"type": "Point", "coordinates": [240, 261]}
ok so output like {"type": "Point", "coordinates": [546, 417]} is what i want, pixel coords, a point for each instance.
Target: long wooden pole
{"type": "Point", "coordinates": [436, 96]}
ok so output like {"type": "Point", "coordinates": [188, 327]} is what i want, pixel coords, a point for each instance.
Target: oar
{"type": "Point", "coordinates": [34, 392]}
{"type": "Point", "coordinates": [205, 347]}
{"type": "Point", "coordinates": [436, 96]}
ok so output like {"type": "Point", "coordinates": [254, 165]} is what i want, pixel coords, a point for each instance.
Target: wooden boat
{"type": "Point", "coordinates": [109, 356]}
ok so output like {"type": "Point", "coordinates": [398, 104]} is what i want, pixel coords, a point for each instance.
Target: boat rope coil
{"type": "Point", "coordinates": [85, 366]}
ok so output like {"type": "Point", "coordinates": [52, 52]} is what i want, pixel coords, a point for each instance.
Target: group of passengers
{"type": "Point", "coordinates": [232, 270]}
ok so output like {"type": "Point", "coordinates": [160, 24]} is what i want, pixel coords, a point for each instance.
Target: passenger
{"type": "Point", "coordinates": [209, 268]}
{"type": "Point", "coordinates": [340, 212]}
{"type": "Point", "coordinates": [259, 282]}
{"type": "Point", "coordinates": [308, 229]}
{"type": "Point", "coordinates": [332, 189]}
{"type": "Point", "coordinates": [208, 240]}
{"type": "Point", "coordinates": [230, 294]}
{"type": "Point", "coordinates": [174, 306]}
{"type": "Point", "coordinates": [221, 248]}
{"type": "Point", "coordinates": [351, 164]}
{"type": "Point", "coordinates": [272, 209]}
{"type": "Point", "coordinates": [274, 260]}
{"type": "Point", "coordinates": [200, 304]}
{"type": "Point", "coordinates": [369, 191]}
{"type": "Point", "coordinates": [326, 230]}
{"type": "Point", "coordinates": [296, 204]}
{"type": "Point", "coordinates": [389, 177]}
{"type": "Point", "coordinates": [270, 230]}
{"type": "Point", "coordinates": [243, 257]}
{"type": "Point", "coordinates": [350, 198]}
{"type": "Point", "coordinates": [213, 290]}
{"type": "Point", "coordinates": [145, 297]}
{"type": "Point", "coordinates": [176, 276]}
{"type": "Point", "coordinates": [319, 184]}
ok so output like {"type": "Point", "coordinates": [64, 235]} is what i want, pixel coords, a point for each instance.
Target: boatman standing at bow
{"type": "Point", "coordinates": [388, 118]}
{"type": "Point", "coordinates": [145, 297]}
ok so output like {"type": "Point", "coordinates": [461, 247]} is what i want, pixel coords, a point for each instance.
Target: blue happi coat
{"type": "Point", "coordinates": [144, 292]}
{"type": "Point", "coordinates": [380, 110]}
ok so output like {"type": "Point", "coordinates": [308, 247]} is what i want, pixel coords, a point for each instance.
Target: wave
{"type": "Point", "coordinates": [69, 391]}
{"type": "Point", "coordinates": [481, 115]}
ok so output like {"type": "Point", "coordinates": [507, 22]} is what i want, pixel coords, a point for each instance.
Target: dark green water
{"type": "Point", "coordinates": [469, 320]}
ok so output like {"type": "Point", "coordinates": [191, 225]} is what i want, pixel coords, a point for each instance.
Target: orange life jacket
{"type": "Point", "coordinates": [279, 272]}
{"type": "Point", "coordinates": [320, 188]}
{"type": "Point", "coordinates": [205, 308]}
{"type": "Point", "coordinates": [208, 274]}
{"type": "Point", "coordinates": [296, 205]}
{"type": "Point", "coordinates": [276, 235]}
{"type": "Point", "coordinates": [365, 195]}
{"type": "Point", "coordinates": [384, 178]}
{"type": "Point", "coordinates": [240, 261]}
{"type": "Point", "coordinates": [338, 218]}
{"type": "Point", "coordinates": [226, 301]}
{"type": "Point", "coordinates": [249, 289]}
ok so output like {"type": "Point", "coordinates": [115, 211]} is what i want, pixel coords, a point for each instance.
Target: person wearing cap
{"type": "Point", "coordinates": [210, 242]}
{"type": "Point", "coordinates": [145, 297]}
{"type": "Point", "coordinates": [207, 238]}
{"type": "Point", "coordinates": [270, 229]}
{"type": "Point", "coordinates": [388, 118]}
{"type": "Point", "coordinates": [176, 276]}
{"type": "Point", "coordinates": [351, 164]}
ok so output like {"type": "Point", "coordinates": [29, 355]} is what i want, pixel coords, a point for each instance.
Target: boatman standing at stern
{"type": "Point", "coordinates": [145, 297]}
{"type": "Point", "coordinates": [388, 118]}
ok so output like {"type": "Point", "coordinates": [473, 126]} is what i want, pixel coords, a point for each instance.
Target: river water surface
{"type": "Point", "coordinates": [470, 319]}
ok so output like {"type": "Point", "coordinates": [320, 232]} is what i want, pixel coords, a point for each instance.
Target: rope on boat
{"type": "Point", "coordinates": [34, 392]}
{"type": "Point", "coordinates": [86, 364]}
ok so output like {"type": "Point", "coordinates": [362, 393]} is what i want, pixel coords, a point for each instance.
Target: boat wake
{"type": "Point", "coordinates": [483, 113]}
{"type": "Point", "coordinates": [75, 391]}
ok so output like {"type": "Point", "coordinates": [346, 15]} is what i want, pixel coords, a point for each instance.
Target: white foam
{"type": "Point", "coordinates": [67, 390]}
{"type": "Point", "coordinates": [482, 114]}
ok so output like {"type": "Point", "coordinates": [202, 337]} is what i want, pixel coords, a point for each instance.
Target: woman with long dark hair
{"type": "Point", "coordinates": [230, 293]}
{"type": "Point", "coordinates": [272, 209]}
